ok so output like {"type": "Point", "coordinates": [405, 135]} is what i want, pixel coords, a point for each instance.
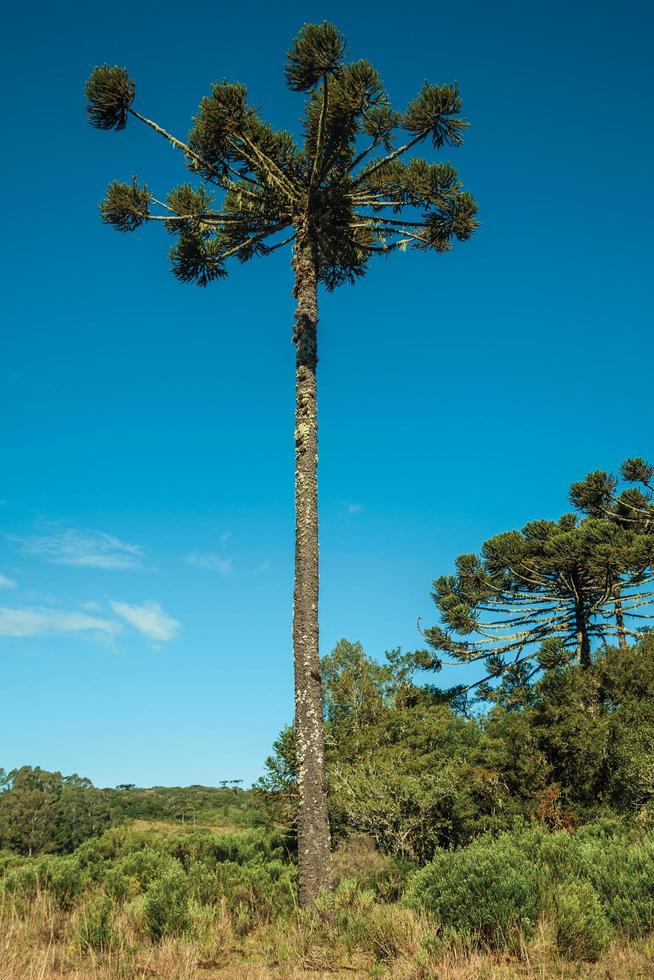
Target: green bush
{"type": "Point", "coordinates": [120, 886]}
{"type": "Point", "coordinates": [621, 869]}
{"type": "Point", "coordinates": [583, 930]}
{"type": "Point", "coordinates": [165, 909]}
{"type": "Point", "coordinates": [239, 848]}
{"type": "Point", "coordinates": [388, 931]}
{"type": "Point", "coordinates": [243, 848]}
{"type": "Point", "coordinates": [260, 889]}
{"type": "Point", "coordinates": [358, 858]}
{"type": "Point", "coordinates": [205, 884]}
{"type": "Point", "coordinates": [95, 927]}
{"type": "Point", "coordinates": [211, 929]}
{"type": "Point", "coordinates": [96, 853]}
{"type": "Point", "coordinates": [147, 865]}
{"type": "Point", "coordinates": [489, 889]}
{"type": "Point", "coordinates": [64, 879]}
{"type": "Point", "coordinates": [21, 882]}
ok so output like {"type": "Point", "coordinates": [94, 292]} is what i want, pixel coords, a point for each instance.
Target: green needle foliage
{"type": "Point", "coordinates": [110, 93]}
{"type": "Point", "coordinates": [632, 508]}
{"type": "Point", "coordinates": [347, 183]}
{"type": "Point", "coordinates": [532, 598]}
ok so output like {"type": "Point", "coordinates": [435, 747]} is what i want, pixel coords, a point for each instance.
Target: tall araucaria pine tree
{"type": "Point", "coordinates": [346, 194]}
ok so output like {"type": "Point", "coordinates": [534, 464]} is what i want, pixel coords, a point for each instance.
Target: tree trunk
{"type": "Point", "coordinates": [314, 856]}
{"type": "Point", "coordinates": [619, 618]}
{"type": "Point", "coordinates": [581, 622]}
{"type": "Point", "coordinates": [583, 642]}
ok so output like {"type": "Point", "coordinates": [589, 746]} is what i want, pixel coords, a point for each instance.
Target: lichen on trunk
{"type": "Point", "coordinates": [314, 855]}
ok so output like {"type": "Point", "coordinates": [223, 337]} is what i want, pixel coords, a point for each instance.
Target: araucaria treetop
{"type": "Point", "coordinates": [343, 196]}
{"type": "Point", "coordinates": [532, 595]}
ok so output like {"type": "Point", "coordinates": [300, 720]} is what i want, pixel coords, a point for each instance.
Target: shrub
{"type": "Point", "coordinates": [147, 865]}
{"type": "Point", "coordinates": [621, 869]}
{"type": "Point", "coordinates": [95, 852]}
{"type": "Point", "coordinates": [244, 848]}
{"type": "Point", "coordinates": [165, 909]}
{"type": "Point", "coordinates": [120, 886]}
{"type": "Point", "coordinates": [489, 889]}
{"type": "Point", "coordinates": [389, 932]}
{"type": "Point", "coordinates": [582, 931]}
{"type": "Point", "coordinates": [205, 884]}
{"type": "Point", "coordinates": [358, 858]}
{"type": "Point", "coordinates": [211, 928]}
{"type": "Point", "coordinates": [95, 929]}
{"type": "Point", "coordinates": [240, 848]}
{"type": "Point", "coordinates": [21, 882]}
{"type": "Point", "coordinates": [64, 879]}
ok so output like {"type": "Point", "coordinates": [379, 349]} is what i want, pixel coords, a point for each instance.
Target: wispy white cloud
{"type": "Point", "coordinates": [210, 562]}
{"type": "Point", "coordinates": [6, 582]}
{"type": "Point", "coordinates": [260, 569]}
{"type": "Point", "coordinates": [82, 549]}
{"type": "Point", "coordinates": [149, 619]}
{"type": "Point", "coordinates": [40, 621]}
{"type": "Point", "coordinates": [350, 507]}
{"type": "Point", "coordinates": [213, 561]}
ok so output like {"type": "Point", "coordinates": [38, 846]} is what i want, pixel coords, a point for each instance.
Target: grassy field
{"type": "Point", "coordinates": [45, 945]}
{"type": "Point", "coordinates": [157, 900]}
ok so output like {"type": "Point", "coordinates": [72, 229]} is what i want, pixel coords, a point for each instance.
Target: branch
{"type": "Point", "coordinates": [178, 144]}
{"type": "Point", "coordinates": [391, 156]}
{"type": "Point", "coordinates": [321, 134]}
{"type": "Point", "coordinates": [392, 221]}
{"type": "Point", "coordinates": [269, 165]}
{"type": "Point", "coordinates": [253, 239]}
{"type": "Point", "coordinates": [379, 248]}
{"type": "Point", "coordinates": [285, 242]}
{"type": "Point", "coordinates": [484, 680]}
{"type": "Point", "coordinates": [409, 235]}
{"type": "Point", "coordinates": [541, 583]}
{"type": "Point", "coordinates": [203, 218]}
{"type": "Point", "coordinates": [364, 153]}
{"type": "Point", "coordinates": [359, 202]}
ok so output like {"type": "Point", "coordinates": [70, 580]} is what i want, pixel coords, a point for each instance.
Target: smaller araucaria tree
{"type": "Point", "coordinates": [552, 587]}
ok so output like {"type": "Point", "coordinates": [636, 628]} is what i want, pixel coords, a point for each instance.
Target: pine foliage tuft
{"type": "Point", "coordinates": [109, 92]}
{"type": "Point", "coordinates": [126, 206]}
{"type": "Point", "coordinates": [317, 51]}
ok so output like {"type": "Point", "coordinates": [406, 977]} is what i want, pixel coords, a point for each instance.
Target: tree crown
{"type": "Point", "coordinates": [346, 188]}
{"type": "Point", "coordinates": [535, 596]}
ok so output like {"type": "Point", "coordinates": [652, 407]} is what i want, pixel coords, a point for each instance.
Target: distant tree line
{"type": "Point", "coordinates": [45, 812]}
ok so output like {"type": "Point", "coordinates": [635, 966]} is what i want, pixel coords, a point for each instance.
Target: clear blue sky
{"type": "Point", "coordinates": [147, 460]}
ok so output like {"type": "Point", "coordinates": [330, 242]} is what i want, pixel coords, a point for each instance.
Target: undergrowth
{"type": "Point", "coordinates": [132, 904]}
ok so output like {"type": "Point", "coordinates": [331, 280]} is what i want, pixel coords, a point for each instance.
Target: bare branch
{"type": "Point", "coordinates": [184, 147]}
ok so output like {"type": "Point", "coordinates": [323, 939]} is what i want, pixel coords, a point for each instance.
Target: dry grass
{"type": "Point", "coordinates": [42, 944]}
{"type": "Point", "coordinates": [164, 828]}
